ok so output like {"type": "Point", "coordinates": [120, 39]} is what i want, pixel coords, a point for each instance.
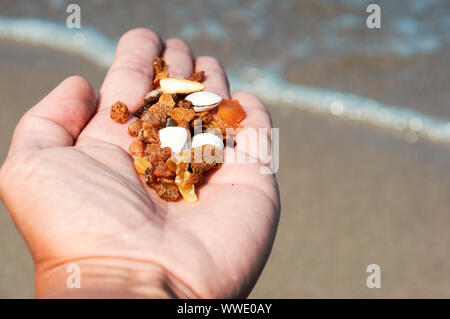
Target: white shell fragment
{"type": "Point", "coordinates": [174, 86]}
{"type": "Point", "coordinates": [204, 101]}
{"type": "Point", "coordinates": [207, 139]}
{"type": "Point", "coordinates": [175, 137]}
{"type": "Point", "coordinates": [153, 94]}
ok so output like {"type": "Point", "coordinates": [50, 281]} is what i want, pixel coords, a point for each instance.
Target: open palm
{"type": "Point", "coordinates": [71, 188]}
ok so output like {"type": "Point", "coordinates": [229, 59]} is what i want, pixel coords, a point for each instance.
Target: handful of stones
{"type": "Point", "coordinates": [175, 111]}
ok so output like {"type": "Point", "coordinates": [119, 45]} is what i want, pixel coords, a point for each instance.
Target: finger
{"type": "Point", "coordinates": [58, 119]}
{"type": "Point", "coordinates": [255, 137]}
{"type": "Point", "coordinates": [257, 115]}
{"type": "Point", "coordinates": [102, 129]}
{"type": "Point", "coordinates": [130, 76]}
{"type": "Point", "coordinates": [215, 78]}
{"type": "Point", "coordinates": [178, 57]}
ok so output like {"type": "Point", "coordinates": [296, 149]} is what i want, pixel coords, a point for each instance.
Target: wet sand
{"type": "Point", "coordinates": [352, 195]}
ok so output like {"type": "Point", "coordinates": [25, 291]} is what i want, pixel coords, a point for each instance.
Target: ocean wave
{"type": "Point", "coordinates": [267, 83]}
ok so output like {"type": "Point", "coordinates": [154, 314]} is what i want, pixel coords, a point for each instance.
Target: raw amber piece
{"type": "Point", "coordinates": [160, 68]}
{"type": "Point", "coordinates": [167, 190]}
{"type": "Point", "coordinates": [148, 134]}
{"type": "Point", "coordinates": [141, 110]}
{"type": "Point", "coordinates": [159, 77]}
{"type": "Point", "coordinates": [137, 148]}
{"type": "Point", "coordinates": [188, 193]}
{"type": "Point", "coordinates": [184, 103]}
{"type": "Point", "coordinates": [161, 170]}
{"type": "Point", "coordinates": [152, 96]}
{"type": "Point", "coordinates": [154, 119]}
{"type": "Point", "coordinates": [141, 164]}
{"type": "Point", "coordinates": [119, 112]}
{"type": "Point", "coordinates": [166, 100]}
{"type": "Point", "coordinates": [159, 64]}
{"type": "Point", "coordinates": [231, 112]}
{"type": "Point", "coordinates": [135, 127]}
{"type": "Point", "coordinates": [157, 153]}
{"type": "Point", "coordinates": [182, 115]}
{"type": "Point", "coordinates": [165, 105]}
{"type": "Point", "coordinates": [197, 76]}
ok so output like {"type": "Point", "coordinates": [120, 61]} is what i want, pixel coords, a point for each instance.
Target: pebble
{"type": "Point", "coordinates": [204, 101]}
{"type": "Point", "coordinates": [207, 139]}
{"type": "Point", "coordinates": [175, 137]}
{"type": "Point", "coordinates": [175, 86]}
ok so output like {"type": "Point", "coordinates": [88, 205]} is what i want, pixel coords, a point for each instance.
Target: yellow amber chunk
{"type": "Point", "coordinates": [141, 164]}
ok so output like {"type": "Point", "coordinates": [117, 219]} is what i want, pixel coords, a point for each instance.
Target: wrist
{"type": "Point", "coordinates": [109, 278]}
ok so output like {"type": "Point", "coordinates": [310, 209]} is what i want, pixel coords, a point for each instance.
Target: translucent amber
{"type": "Point", "coordinates": [141, 164]}
{"type": "Point", "coordinates": [231, 112]}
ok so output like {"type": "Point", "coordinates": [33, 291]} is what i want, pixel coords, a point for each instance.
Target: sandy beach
{"type": "Point", "coordinates": [352, 194]}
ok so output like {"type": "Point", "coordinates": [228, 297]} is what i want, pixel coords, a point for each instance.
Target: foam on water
{"type": "Point", "coordinates": [87, 42]}
{"type": "Point", "coordinates": [267, 83]}
{"type": "Point", "coordinates": [272, 88]}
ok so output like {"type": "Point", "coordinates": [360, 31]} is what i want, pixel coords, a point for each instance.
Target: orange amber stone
{"type": "Point", "coordinates": [137, 148]}
{"type": "Point", "coordinates": [231, 112]}
{"type": "Point", "coordinates": [141, 164]}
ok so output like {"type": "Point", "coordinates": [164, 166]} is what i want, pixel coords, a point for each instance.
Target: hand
{"type": "Point", "coordinates": [71, 188]}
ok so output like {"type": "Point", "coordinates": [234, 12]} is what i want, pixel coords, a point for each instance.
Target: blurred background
{"type": "Point", "coordinates": [364, 118]}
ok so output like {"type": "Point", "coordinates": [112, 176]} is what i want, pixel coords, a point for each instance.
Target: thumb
{"type": "Point", "coordinates": [58, 119]}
